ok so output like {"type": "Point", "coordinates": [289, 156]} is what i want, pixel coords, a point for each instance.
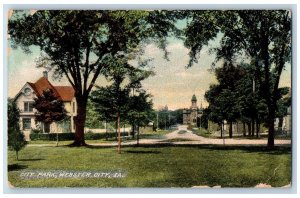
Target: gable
{"type": "Point", "coordinates": [64, 93]}
{"type": "Point", "coordinates": [30, 95]}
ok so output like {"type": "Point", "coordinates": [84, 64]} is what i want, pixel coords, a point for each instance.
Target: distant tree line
{"type": "Point", "coordinates": [238, 97]}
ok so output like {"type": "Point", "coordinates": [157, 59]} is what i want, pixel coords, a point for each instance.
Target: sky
{"type": "Point", "coordinates": [173, 85]}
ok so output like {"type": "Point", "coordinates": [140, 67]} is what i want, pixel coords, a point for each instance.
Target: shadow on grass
{"type": "Point", "coordinates": [15, 167]}
{"type": "Point", "coordinates": [143, 152]}
{"type": "Point", "coordinates": [31, 160]}
{"type": "Point", "coordinates": [262, 149]}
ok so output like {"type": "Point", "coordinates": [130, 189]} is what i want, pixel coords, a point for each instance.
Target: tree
{"type": "Point", "coordinates": [16, 139]}
{"type": "Point", "coordinates": [222, 97]}
{"type": "Point", "coordinates": [263, 36]}
{"type": "Point", "coordinates": [114, 101]}
{"type": "Point", "coordinates": [282, 105]}
{"type": "Point", "coordinates": [140, 111]}
{"type": "Point", "coordinates": [111, 102]}
{"type": "Point", "coordinates": [50, 108]}
{"type": "Point", "coordinates": [215, 112]}
{"type": "Point", "coordinates": [78, 44]}
{"type": "Point", "coordinates": [253, 109]}
{"type": "Point", "coordinates": [93, 118]}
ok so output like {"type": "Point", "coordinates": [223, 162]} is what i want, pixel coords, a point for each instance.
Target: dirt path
{"type": "Point", "coordinates": [184, 133]}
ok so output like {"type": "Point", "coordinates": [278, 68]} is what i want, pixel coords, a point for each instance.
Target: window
{"type": "Point", "coordinates": [28, 106]}
{"type": "Point", "coordinates": [26, 123]}
{"type": "Point", "coordinates": [27, 91]}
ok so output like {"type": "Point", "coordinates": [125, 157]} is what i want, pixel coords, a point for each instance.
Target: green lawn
{"type": "Point", "coordinates": [201, 132]}
{"type": "Point", "coordinates": [159, 134]}
{"type": "Point", "coordinates": [165, 166]}
{"type": "Point", "coordinates": [145, 135]}
{"type": "Point", "coordinates": [68, 142]}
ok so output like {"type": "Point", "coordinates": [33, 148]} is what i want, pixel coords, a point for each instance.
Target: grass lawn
{"type": "Point", "coordinates": [145, 135]}
{"type": "Point", "coordinates": [201, 132]}
{"type": "Point", "coordinates": [165, 166]}
{"type": "Point", "coordinates": [159, 134]}
{"type": "Point", "coordinates": [261, 137]}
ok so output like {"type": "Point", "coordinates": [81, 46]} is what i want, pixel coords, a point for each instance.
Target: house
{"type": "Point", "coordinates": [25, 99]}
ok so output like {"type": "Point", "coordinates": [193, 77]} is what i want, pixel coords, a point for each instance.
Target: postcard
{"type": "Point", "coordinates": [149, 98]}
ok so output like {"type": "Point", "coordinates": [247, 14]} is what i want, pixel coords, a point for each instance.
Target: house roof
{"type": "Point", "coordinates": [65, 93]}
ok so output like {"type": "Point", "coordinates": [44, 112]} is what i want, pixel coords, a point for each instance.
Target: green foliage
{"type": "Point", "coordinates": [93, 118]}
{"type": "Point", "coordinates": [82, 44]}
{"type": "Point", "coordinates": [52, 136]}
{"type": "Point", "coordinates": [222, 97]}
{"type": "Point", "coordinates": [282, 105]}
{"type": "Point", "coordinates": [176, 117]}
{"type": "Point", "coordinates": [168, 118]}
{"type": "Point", "coordinates": [36, 131]}
{"type": "Point", "coordinates": [204, 118]}
{"type": "Point", "coordinates": [140, 110]}
{"type": "Point", "coordinates": [98, 136]}
{"type": "Point", "coordinates": [16, 139]}
{"type": "Point", "coordinates": [262, 36]}
{"type": "Point", "coordinates": [201, 132]}
{"type": "Point", "coordinates": [13, 115]}
{"type": "Point", "coordinates": [108, 101]}
{"type": "Point", "coordinates": [236, 97]}
{"type": "Point", "coordinates": [70, 136]}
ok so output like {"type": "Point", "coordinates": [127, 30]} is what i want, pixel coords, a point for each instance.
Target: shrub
{"type": "Point", "coordinates": [70, 136]}
{"type": "Point", "coordinates": [36, 131]}
{"type": "Point", "coordinates": [98, 136]}
{"type": "Point", "coordinates": [52, 136]}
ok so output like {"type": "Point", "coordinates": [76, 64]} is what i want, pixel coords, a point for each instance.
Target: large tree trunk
{"type": "Point", "coordinates": [230, 129]}
{"type": "Point", "coordinates": [138, 136]}
{"type": "Point", "coordinates": [116, 130]}
{"type": "Point", "coordinates": [252, 127]}
{"type": "Point", "coordinates": [222, 130]}
{"type": "Point", "coordinates": [244, 129]}
{"type": "Point", "coordinates": [133, 130]}
{"type": "Point", "coordinates": [270, 95]}
{"type": "Point", "coordinates": [119, 134]}
{"type": "Point", "coordinates": [106, 134]}
{"type": "Point", "coordinates": [280, 123]}
{"type": "Point", "coordinates": [80, 121]}
{"type": "Point", "coordinates": [249, 128]}
{"type": "Point", "coordinates": [257, 127]}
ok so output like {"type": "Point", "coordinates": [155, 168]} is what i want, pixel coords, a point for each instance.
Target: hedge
{"type": "Point", "coordinates": [70, 136]}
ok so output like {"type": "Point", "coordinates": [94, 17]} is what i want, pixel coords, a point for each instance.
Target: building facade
{"type": "Point", "coordinates": [190, 115]}
{"type": "Point", "coordinates": [25, 99]}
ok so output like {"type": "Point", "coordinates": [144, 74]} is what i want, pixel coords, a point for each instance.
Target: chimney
{"type": "Point", "coordinates": [45, 74]}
